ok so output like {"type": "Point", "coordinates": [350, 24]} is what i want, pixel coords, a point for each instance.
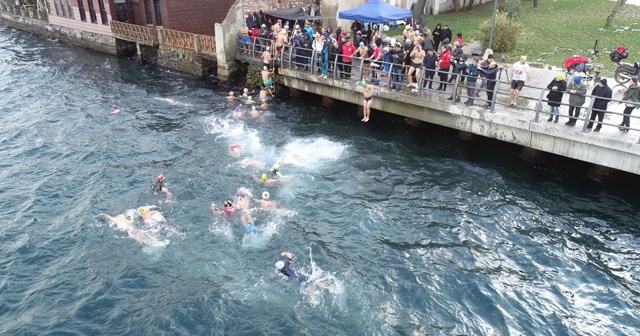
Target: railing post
{"type": "Point", "coordinates": [495, 95]}
{"type": "Point", "coordinates": [539, 106]}
{"type": "Point", "coordinates": [454, 95]}
{"type": "Point", "coordinates": [160, 36]}
{"type": "Point", "coordinates": [361, 69]}
{"type": "Point", "coordinates": [587, 117]}
{"type": "Point", "coordinates": [390, 78]}
{"type": "Point", "coordinates": [312, 62]}
{"type": "Point", "coordinates": [196, 43]}
{"type": "Point", "coordinates": [290, 56]}
{"type": "Point", "coordinates": [419, 80]}
{"type": "Point", "coordinates": [335, 66]}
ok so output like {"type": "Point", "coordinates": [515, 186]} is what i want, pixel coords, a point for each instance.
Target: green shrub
{"type": "Point", "coordinates": [505, 33]}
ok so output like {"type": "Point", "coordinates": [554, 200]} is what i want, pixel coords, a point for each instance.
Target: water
{"type": "Point", "coordinates": [413, 234]}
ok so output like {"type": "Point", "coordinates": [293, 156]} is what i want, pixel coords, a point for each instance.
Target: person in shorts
{"type": "Point", "coordinates": [519, 76]}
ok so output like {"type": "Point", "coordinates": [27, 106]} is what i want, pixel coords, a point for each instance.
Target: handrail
{"type": "Point", "coordinates": [305, 60]}
{"type": "Point", "coordinates": [144, 35]}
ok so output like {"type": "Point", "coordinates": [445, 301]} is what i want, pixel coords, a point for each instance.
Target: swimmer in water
{"type": "Point", "coordinates": [242, 203]}
{"type": "Point", "coordinates": [251, 162]}
{"type": "Point", "coordinates": [250, 100]}
{"type": "Point", "coordinates": [226, 211]}
{"type": "Point", "coordinates": [245, 93]}
{"type": "Point", "coordinates": [275, 171]}
{"type": "Point", "coordinates": [115, 109]}
{"type": "Point", "coordinates": [231, 96]}
{"type": "Point", "coordinates": [151, 217]}
{"type": "Point", "coordinates": [159, 188]}
{"type": "Point", "coordinates": [254, 112]}
{"type": "Point", "coordinates": [124, 224]}
{"type": "Point", "coordinates": [285, 268]}
{"type": "Point", "coordinates": [266, 203]}
{"type": "Point", "coordinates": [267, 182]}
{"type": "Point", "coordinates": [235, 149]}
{"type": "Point", "coordinates": [237, 113]}
{"type": "Point", "coordinates": [264, 104]}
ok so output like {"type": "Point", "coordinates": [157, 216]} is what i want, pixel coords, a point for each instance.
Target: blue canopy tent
{"type": "Point", "coordinates": [376, 11]}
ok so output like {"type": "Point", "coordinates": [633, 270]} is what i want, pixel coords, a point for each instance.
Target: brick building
{"type": "Point", "coordinates": [193, 16]}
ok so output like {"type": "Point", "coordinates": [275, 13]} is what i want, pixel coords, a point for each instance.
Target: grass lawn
{"type": "Point", "coordinates": [558, 29]}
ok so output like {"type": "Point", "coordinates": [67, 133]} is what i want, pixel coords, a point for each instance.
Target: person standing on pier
{"type": "Point", "coordinates": [556, 88]}
{"type": "Point", "coordinates": [632, 97]}
{"type": "Point", "coordinates": [603, 93]}
{"type": "Point", "coordinates": [347, 57]}
{"type": "Point", "coordinates": [519, 76]}
{"type": "Point", "coordinates": [577, 91]}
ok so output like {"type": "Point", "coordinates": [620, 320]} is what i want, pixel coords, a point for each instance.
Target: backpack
{"type": "Point", "coordinates": [619, 54]}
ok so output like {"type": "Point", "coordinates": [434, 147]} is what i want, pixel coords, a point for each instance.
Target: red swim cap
{"type": "Point", "coordinates": [159, 177]}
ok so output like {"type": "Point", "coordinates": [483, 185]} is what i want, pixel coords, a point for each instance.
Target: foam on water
{"type": "Point", "coordinates": [311, 153]}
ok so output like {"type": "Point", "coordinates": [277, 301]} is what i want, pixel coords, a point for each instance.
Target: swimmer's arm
{"type": "Point", "coordinates": [214, 210]}
{"type": "Point", "coordinates": [286, 254]}
{"type": "Point", "coordinates": [107, 216]}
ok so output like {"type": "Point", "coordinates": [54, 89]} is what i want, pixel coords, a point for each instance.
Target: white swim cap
{"type": "Point", "coordinates": [280, 264]}
{"type": "Point", "coordinates": [265, 195]}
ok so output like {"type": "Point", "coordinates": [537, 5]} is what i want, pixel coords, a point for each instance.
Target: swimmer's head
{"type": "Point", "coordinates": [363, 83]}
{"type": "Point", "coordinates": [227, 203]}
{"type": "Point", "coordinates": [241, 194]}
{"type": "Point", "coordinates": [253, 108]}
{"type": "Point", "coordinates": [231, 93]}
{"type": "Point", "coordinates": [275, 167]}
{"type": "Point", "coordinates": [280, 264]}
{"type": "Point", "coordinates": [115, 107]}
{"type": "Point", "coordinates": [264, 177]}
{"type": "Point", "coordinates": [265, 195]}
{"type": "Point", "coordinates": [143, 210]}
{"type": "Point", "coordinates": [249, 98]}
{"type": "Point", "coordinates": [160, 177]}
{"type": "Point", "coordinates": [246, 90]}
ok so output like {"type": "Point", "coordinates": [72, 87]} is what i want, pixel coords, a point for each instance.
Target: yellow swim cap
{"type": "Point", "coordinates": [264, 177]}
{"type": "Point", "coordinates": [143, 210]}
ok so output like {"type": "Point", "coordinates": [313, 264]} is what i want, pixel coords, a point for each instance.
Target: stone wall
{"type": "Point", "coordinates": [80, 38]}
{"type": "Point", "coordinates": [251, 6]}
{"type": "Point", "coordinates": [185, 60]}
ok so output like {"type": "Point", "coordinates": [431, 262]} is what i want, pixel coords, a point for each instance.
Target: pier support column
{"type": "Point", "coordinates": [600, 173]}
{"type": "Point", "coordinates": [295, 93]}
{"type": "Point", "coordinates": [328, 102]}
{"type": "Point", "coordinates": [533, 156]}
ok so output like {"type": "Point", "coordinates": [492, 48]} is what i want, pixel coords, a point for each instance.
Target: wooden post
{"type": "Point", "coordinates": [196, 42]}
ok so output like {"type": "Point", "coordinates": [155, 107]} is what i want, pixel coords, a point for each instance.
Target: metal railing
{"type": "Point", "coordinates": [394, 77]}
{"type": "Point", "coordinates": [135, 33]}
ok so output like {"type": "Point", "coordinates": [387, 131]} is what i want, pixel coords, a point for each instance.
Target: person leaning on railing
{"type": "Point", "coordinates": [490, 72]}
{"type": "Point", "coordinates": [603, 93]}
{"type": "Point", "coordinates": [632, 101]}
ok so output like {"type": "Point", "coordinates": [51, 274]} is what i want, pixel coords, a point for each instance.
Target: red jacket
{"type": "Point", "coordinates": [445, 59]}
{"type": "Point", "coordinates": [347, 52]}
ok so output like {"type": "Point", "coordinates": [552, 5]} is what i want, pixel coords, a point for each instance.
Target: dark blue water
{"type": "Point", "coordinates": [413, 234]}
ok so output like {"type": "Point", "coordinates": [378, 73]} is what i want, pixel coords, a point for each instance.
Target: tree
{"type": "Point", "coordinates": [456, 6]}
{"type": "Point", "coordinates": [614, 11]}
{"type": "Point", "coordinates": [470, 5]}
{"type": "Point", "coordinates": [418, 10]}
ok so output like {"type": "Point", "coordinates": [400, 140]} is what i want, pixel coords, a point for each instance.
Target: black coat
{"type": "Point", "coordinates": [555, 96]}
{"type": "Point", "coordinates": [446, 34]}
{"type": "Point", "coordinates": [604, 92]}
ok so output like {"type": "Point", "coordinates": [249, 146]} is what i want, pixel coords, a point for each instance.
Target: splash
{"type": "Point", "coordinates": [311, 153]}
{"type": "Point", "coordinates": [173, 102]}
